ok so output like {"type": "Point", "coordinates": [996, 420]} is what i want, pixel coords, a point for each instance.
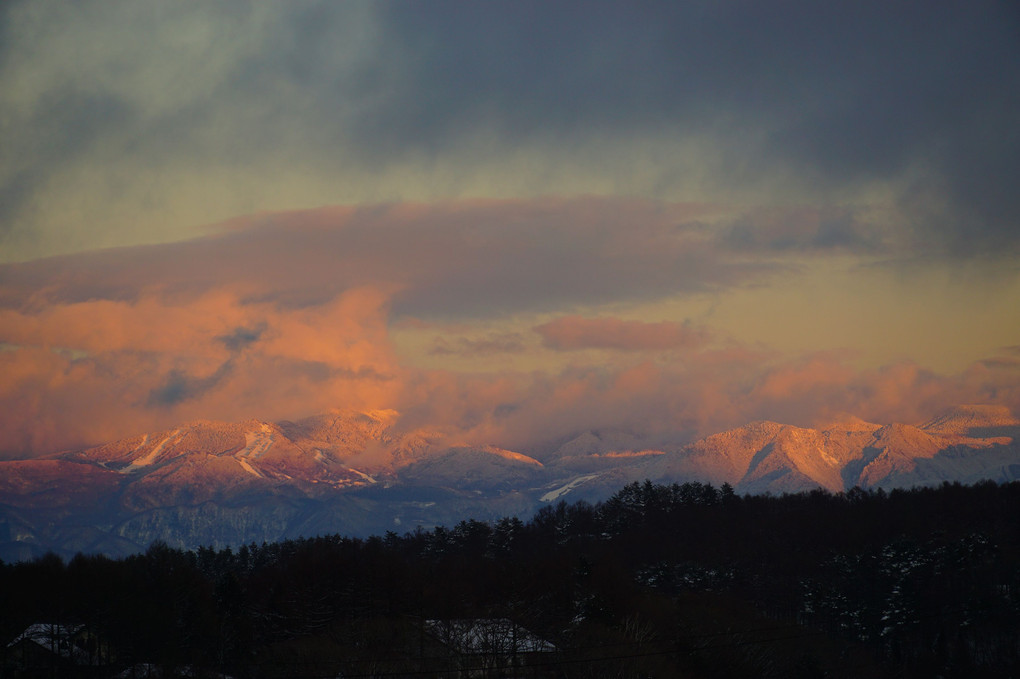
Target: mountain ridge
{"type": "Point", "coordinates": [222, 483]}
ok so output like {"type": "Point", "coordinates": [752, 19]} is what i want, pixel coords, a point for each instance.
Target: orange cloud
{"type": "Point", "coordinates": [83, 372]}
{"type": "Point", "coordinates": [146, 324]}
{"type": "Point", "coordinates": [287, 315]}
{"type": "Point", "coordinates": [670, 402]}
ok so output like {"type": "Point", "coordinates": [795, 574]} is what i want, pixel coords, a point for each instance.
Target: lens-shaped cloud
{"type": "Point", "coordinates": [575, 332]}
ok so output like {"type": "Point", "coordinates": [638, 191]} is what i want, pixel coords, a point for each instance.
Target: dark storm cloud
{"type": "Point", "coordinates": [64, 124]}
{"type": "Point", "coordinates": [803, 228]}
{"type": "Point", "coordinates": [914, 102]}
{"type": "Point", "coordinates": [178, 387]}
{"type": "Point", "coordinates": [842, 95]}
{"type": "Point", "coordinates": [241, 338]}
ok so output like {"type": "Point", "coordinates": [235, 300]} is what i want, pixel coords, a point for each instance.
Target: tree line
{"type": "Point", "coordinates": [683, 580]}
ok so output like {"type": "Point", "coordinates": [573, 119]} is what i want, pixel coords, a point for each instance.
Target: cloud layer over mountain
{"type": "Point", "coordinates": [283, 315]}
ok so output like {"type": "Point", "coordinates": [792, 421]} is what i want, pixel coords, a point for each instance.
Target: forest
{"type": "Point", "coordinates": [682, 580]}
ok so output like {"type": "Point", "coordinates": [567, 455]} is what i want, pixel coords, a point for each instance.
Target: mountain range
{"type": "Point", "coordinates": [357, 473]}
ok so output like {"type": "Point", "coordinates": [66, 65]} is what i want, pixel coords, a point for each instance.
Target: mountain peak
{"type": "Point", "coordinates": [967, 420]}
{"type": "Point", "coordinates": [209, 481]}
{"type": "Point", "coordinates": [845, 422]}
{"type": "Point", "coordinates": [593, 443]}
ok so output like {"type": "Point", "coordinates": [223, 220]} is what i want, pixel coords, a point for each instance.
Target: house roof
{"type": "Point", "coordinates": [487, 635]}
{"type": "Point", "coordinates": [57, 639]}
{"type": "Point", "coordinates": [153, 671]}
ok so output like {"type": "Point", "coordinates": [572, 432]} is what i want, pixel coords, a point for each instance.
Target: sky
{"type": "Point", "coordinates": [507, 222]}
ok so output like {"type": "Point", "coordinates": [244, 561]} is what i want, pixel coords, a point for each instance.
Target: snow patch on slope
{"type": "Point", "coordinates": [256, 443]}
{"type": "Point", "coordinates": [363, 475]}
{"type": "Point", "coordinates": [563, 490]}
{"type": "Point", "coordinates": [248, 468]}
{"type": "Point", "coordinates": [828, 459]}
{"type": "Point", "coordinates": [149, 458]}
{"type": "Point", "coordinates": [144, 442]}
{"type": "Point", "coordinates": [511, 455]}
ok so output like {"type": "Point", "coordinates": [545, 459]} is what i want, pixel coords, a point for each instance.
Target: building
{"type": "Point", "coordinates": [53, 650]}
{"type": "Point", "coordinates": [492, 647]}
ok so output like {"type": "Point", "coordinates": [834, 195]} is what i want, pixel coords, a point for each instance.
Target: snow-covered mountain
{"type": "Point", "coordinates": [221, 483]}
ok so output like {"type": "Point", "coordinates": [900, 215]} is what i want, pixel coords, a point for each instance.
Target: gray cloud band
{"type": "Point", "coordinates": [822, 102]}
